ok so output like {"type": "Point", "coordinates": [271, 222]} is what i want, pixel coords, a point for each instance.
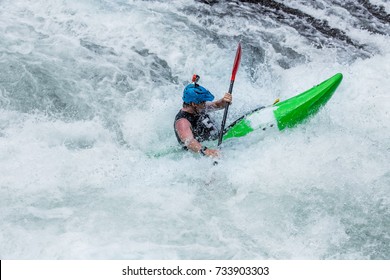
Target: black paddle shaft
{"type": "Point", "coordinates": [225, 114]}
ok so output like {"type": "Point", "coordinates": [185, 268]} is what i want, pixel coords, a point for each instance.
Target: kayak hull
{"type": "Point", "coordinates": [287, 113]}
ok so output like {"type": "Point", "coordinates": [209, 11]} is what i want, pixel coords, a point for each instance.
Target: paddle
{"type": "Point", "coordinates": [234, 71]}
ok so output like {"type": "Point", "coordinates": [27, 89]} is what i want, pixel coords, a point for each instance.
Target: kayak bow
{"type": "Point", "coordinates": [287, 113]}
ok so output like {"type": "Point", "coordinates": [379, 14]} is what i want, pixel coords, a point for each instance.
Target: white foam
{"type": "Point", "coordinates": [84, 186]}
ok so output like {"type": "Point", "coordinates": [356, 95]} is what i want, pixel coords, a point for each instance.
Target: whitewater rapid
{"type": "Point", "coordinates": [88, 95]}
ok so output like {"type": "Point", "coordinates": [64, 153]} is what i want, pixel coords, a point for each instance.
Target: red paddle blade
{"type": "Point", "coordinates": [236, 62]}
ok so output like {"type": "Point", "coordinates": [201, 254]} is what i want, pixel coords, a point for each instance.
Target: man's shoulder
{"type": "Point", "coordinates": [183, 114]}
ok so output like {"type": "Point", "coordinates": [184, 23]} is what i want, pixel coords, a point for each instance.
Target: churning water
{"type": "Point", "coordinates": [88, 93]}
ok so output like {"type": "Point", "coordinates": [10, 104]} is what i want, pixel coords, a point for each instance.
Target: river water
{"type": "Point", "coordinates": [88, 93]}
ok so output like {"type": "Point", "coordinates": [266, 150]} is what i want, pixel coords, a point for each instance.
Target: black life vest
{"type": "Point", "coordinates": [202, 126]}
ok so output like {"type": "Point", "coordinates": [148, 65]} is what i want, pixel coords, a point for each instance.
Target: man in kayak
{"type": "Point", "coordinates": [192, 124]}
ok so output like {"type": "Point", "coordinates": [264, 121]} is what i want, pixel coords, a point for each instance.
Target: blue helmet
{"type": "Point", "coordinates": [197, 94]}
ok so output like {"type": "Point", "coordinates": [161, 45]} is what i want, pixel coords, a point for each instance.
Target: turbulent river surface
{"type": "Point", "coordinates": [88, 93]}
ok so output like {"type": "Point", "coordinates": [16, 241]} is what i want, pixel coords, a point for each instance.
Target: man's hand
{"type": "Point", "coordinates": [212, 153]}
{"type": "Point", "coordinates": [227, 98]}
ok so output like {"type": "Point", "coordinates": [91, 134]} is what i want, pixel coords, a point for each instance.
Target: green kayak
{"type": "Point", "coordinates": [280, 115]}
{"type": "Point", "coordinates": [287, 113]}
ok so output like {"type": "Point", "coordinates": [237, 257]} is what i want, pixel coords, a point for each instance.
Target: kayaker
{"type": "Point", "coordinates": [192, 124]}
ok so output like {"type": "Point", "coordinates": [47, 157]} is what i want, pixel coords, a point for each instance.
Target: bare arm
{"type": "Point", "coordinates": [183, 129]}
{"type": "Point", "coordinates": [221, 103]}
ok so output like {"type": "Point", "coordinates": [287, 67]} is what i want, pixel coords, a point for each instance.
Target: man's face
{"type": "Point", "coordinates": [199, 107]}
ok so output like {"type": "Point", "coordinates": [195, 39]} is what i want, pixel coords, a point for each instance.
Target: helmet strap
{"type": "Point", "coordinates": [194, 109]}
